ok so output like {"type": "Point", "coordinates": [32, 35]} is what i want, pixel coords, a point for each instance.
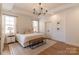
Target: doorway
{"type": "Point", "coordinates": [48, 29]}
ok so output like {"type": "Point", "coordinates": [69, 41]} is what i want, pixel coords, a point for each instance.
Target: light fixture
{"type": "Point", "coordinates": [39, 10]}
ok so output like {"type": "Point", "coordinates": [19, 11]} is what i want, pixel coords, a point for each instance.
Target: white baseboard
{"type": "Point", "coordinates": [69, 43]}
{"type": "Point", "coordinates": [77, 45]}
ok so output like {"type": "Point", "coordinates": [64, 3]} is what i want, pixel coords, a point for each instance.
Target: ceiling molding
{"type": "Point", "coordinates": [62, 8]}
{"type": "Point", "coordinates": [11, 8]}
{"type": "Point", "coordinates": [7, 6]}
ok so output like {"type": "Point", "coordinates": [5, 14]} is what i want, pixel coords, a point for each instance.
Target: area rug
{"type": "Point", "coordinates": [17, 49]}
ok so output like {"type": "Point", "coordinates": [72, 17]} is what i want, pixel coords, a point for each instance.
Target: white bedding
{"type": "Point", "coordinates": [23, 38]}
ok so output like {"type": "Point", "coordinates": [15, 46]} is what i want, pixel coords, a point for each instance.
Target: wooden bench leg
{"type": "Point", "coordinates": [38, 43]}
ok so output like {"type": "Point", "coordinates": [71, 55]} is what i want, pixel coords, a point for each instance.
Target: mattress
{"type": "Point", "coordinates": [23, 39]}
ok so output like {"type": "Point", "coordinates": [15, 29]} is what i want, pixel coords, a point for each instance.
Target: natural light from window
{"type": "Point", "coordinates": [35, 26]}
{"type": "Point", "coordinates": [9, 24]}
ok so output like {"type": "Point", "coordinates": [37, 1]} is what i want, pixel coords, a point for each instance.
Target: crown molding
{"type": "Point", "coordinates": [62, 8]}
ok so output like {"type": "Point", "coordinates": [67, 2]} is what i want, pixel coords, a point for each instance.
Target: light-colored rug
{"type": "Point", "coordinates": [17, 49]}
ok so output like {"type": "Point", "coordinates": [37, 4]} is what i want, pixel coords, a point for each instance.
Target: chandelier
{"type": "Point", "coordinates": [40, 10]}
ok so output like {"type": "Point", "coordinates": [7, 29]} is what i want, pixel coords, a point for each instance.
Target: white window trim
{"type": "Point", "coordinates": [3, 23]}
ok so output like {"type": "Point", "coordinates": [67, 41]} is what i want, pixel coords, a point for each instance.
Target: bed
{"type": "Point", "coordinates": [24, 39]}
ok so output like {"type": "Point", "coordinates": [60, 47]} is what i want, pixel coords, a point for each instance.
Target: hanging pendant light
{"type": "Point", "coordinates": [40, 10]}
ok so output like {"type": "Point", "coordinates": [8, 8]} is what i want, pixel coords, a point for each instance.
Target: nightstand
{"type": "Point", "coordinates": [10, 38]}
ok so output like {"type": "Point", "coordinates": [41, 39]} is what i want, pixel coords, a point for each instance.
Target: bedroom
{"type": "Point", "coordinates": [59, 26]}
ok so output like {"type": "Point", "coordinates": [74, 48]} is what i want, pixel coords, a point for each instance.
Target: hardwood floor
{"type": "Point", "coordinates": [0, 46]}
{"type": "Point", "coordinates": [6, 50]}
{"type": "Point", "coordinates": [59, 48]}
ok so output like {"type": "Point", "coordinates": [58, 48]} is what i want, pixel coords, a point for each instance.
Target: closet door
{"type": "Point", "coordinates": [48, 29]}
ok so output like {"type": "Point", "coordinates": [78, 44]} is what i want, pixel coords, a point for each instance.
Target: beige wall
{"type": "Point", "coordinates": [1, 43]}
{"type": "Point", "coordinates": [0, 20]}
{"type": "Point", "coordinates": [69, 25]}
{"type": "Point", "coordinates": [0, 29]}
{"type": "Point", "coordinates": [23, 24]}
{"type": "Point", "coordinates": [72, 26]}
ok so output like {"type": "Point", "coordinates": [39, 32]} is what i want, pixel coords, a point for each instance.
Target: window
{"type": "Point", "coordinates": [35, 26]}
{"type": "Point", "coordinates": [9, 24]}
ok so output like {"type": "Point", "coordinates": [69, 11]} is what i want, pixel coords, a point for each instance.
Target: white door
{"type": "Point", "coordinates": [48, 29]}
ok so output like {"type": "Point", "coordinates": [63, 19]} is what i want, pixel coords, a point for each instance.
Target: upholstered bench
{"type": "Point", "coordinates": [37, 42]}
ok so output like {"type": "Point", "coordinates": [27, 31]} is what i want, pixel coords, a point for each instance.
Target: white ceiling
{"type": "Point", "coordinates": [27, 8]}
{"type": "Point", "coordinates": [30, 6]}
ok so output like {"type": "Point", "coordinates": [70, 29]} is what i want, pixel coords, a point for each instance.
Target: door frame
{"type": "Point", "coordinates": [46, 26]}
